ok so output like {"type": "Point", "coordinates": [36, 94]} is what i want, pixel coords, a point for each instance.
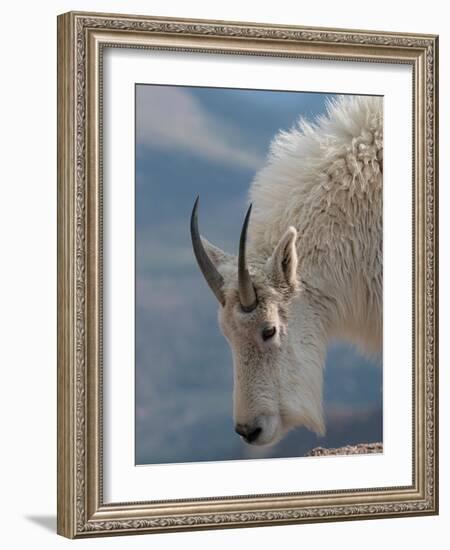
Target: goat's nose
{"type": "Point", "coordinates": [248, 432]}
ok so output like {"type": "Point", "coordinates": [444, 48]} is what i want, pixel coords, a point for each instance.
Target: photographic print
{"type": "Point", "coordinates": [247, 288]}
{"type": "Point", "coordinates": [259, 274]}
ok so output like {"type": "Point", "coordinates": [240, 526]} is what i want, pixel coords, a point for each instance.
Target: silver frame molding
{"type": "Point", "coordinates": [81, 39]}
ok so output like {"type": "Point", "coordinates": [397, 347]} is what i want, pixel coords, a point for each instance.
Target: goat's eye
{"type": "Point", "coordinates": [268, 333]}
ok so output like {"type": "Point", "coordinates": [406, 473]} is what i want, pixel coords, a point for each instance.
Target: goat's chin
{"type": "Point", "coordinates": [267, 441]}
{"type": "Point", "coordinates": [274, 428]}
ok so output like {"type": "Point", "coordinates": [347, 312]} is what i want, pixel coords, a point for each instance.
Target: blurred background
{"type": "Point", "coordinates": [211, 141]}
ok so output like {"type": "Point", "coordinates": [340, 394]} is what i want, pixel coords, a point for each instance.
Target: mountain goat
{"type": "Point", "coordinates": [310, 269]}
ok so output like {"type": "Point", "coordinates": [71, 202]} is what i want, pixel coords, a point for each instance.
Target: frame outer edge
{"type": "Point", "coordinates": [76, 480]}
{"type": "Point", "coordinates": [66, 523]}
{"type": "Point", "coordinates": [435, 215]}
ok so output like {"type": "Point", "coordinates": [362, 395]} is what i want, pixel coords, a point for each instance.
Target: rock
{"type": "Point", "coordinates": [360, 449]}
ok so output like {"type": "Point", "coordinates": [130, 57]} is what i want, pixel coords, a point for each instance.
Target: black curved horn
{"type": "Point", "coordinates": [211, 274]}
{"type": "Point", "coordinates": [247, 294]}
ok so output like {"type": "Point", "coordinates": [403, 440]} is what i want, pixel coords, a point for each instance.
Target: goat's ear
{"type": "Point", "coordinates": [216, 254]}
{"type": "Point", "coordinates": [282, 265]}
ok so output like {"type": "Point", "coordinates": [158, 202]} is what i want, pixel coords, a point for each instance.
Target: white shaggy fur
{"type": "Point", "coordinates": [315, 257]}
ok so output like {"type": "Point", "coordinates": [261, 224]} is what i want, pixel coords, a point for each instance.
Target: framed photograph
{"type": "Point", "coordinates": [247, 274]}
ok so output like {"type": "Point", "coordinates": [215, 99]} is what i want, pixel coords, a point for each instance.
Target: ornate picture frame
{"type": "Point", "coordinates": [82, 39]}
